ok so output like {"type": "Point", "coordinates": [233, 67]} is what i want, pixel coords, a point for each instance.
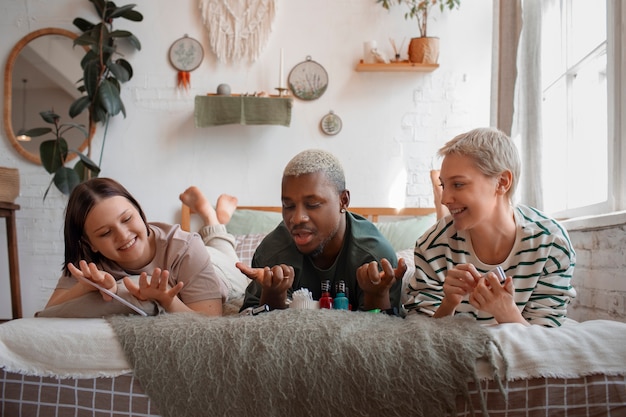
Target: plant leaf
{"type": "Point", "coordinates": [83, 24]}
{"type": "Point", "coordinates": [133, 15]}
{"type": "Point", "coordinates": [91, 76]}
{"type": "Point", "coordinates": [53, 153]}
{"type": "Point", "coordinates": [134, 42]}
{"type": "Point", "coordinates": [119, 71]}
{"type": "Point", "coordinates": [86, 164]}
{"type": "Point", "coordinates": [79, 106]}
{"type": "Point", "coordinates": [119, 11]}
{"type": "Point", "coordinates": [37, 131]}
{"type": "Point", "coordinates": [66, 179]}
{"type": "Point", "coordinates": [99, 5]}
{"type": "Point", "coordinates": [109, 97]}
{"type": "Point", "coordinates": [49, 116]}
{"type": "Point", "coordinates": [126, 66]}
{"type": "Point", "coordinates": [69, 126]}
{"type": "Point", "coordinates": [86, 39]}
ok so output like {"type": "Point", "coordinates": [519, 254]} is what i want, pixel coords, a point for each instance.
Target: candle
{"type": "Point", "coordinates": [280, 74]}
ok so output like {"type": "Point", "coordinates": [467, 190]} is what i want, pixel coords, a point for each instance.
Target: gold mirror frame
{"type": "Point", "coordinates": [8, 92]}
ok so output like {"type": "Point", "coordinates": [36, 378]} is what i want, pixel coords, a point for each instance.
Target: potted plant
{"type": "Point", "coordinates": [104, 70]}
{"type": "Point", "coordinates": [424, 49]}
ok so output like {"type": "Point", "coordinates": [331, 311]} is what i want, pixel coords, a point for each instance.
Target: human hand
{"type": "Point", "coordinates": [274, 281]}
{"type": "Point", "coordinates": [91, 272]}
{"type": "Point", "coordinates": [460, 281]}
{"type": "Point", "coordinates": [156, 288]}
{"type": "Point", "coordinates": [496, 298]}
{"type": "Point", "coordinates": [371, 280]}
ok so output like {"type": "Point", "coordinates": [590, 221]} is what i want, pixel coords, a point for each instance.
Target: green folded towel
{"type": "Point", "coordinates": [222, 110]}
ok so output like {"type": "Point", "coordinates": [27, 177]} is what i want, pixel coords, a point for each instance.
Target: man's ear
{"type": "Point", "coordinates": [344, 199]}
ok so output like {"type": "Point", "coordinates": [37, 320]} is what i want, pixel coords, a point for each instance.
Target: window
{"type": "Point", "coordinates": [576, 116]}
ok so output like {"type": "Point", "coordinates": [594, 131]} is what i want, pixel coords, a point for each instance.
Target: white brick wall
{"type": "Point", "coordinates": [600, 275]}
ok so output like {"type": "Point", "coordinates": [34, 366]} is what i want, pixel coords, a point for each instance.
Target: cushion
{"type": "Point", "coordinates": [245, 222]}
{"type": "Point", "coordinates": [402, 234]}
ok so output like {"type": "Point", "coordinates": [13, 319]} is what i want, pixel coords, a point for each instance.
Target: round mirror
{"type": "Point", "coordinates": [41, 74]}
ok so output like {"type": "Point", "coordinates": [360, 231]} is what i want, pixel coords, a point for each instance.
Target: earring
{"type": "Point", "coordinates": [343, 210]}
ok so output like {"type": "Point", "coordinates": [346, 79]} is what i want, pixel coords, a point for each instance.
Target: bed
{"type": "Point", "coordinates": [79, 367]}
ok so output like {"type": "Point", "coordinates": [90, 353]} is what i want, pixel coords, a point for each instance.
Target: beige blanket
{"type": "Point", "coordinates": [304, 362]}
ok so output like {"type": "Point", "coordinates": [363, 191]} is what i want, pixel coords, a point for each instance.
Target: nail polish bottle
{"type": "Point", "coordinates": [341, 300]}
{"type": "Point", "coordinates": [326, 301]}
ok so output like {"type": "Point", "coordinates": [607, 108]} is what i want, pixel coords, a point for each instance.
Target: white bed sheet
{"type": "Point", "coordinates": [88, 348]}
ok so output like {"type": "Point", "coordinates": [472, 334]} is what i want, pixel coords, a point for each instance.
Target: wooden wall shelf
{"type": "Point", "coordinates": [402, 66]}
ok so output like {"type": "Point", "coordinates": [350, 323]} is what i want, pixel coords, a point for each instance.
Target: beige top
{"type": "Point", "coordinates": [181, 253]}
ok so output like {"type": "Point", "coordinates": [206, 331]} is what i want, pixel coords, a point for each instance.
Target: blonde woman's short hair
{"type": "Point", "coordinates": [492, 151]}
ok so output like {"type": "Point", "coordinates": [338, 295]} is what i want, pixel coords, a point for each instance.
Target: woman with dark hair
{"type": "Point", "coordinates": [107, 239]}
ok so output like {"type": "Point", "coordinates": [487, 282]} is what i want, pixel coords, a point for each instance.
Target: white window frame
{"type": "Point", "coordinates": [616, 117]}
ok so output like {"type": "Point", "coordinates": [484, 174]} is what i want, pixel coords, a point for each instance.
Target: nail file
{"type": "Point", "coordinates": [115, 296]}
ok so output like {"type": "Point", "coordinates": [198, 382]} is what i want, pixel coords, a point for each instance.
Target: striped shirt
{"type": "Point", "coordinates": [541, 263]}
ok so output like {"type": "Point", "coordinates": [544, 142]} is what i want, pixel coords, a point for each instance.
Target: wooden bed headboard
{"type": "Point", "coordinates": [371, 213]}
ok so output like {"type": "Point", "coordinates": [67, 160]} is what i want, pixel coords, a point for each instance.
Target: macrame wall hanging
{"type": "Point", "coordinates": [238, 29]}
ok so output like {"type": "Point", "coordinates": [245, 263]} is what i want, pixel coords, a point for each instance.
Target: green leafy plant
{"type": "Point", "coordinates": [104, 70]}
{"type": "Point", "coordinates": [54, 154]}
{"type": "Point", "coordinates": [420, 10]}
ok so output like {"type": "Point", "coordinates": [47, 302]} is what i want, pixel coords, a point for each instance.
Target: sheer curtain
{"type": "Point", "coordinates": [516, 104]}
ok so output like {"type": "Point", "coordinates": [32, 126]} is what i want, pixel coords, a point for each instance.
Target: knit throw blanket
{"type": "Point", "coordinates": [305, 363]}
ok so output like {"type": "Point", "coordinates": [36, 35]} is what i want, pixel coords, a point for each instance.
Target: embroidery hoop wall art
{"type": "Point", "coordinates": [308, 80]}
{"type": "Point", "coordinates": [185, 55]}
{"type": "Point", "coordinates": [331, 124]}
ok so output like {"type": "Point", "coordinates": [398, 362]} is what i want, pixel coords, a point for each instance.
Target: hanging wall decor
{"type": "Point", "coordinates": [185, 56]}
{"type": "Point", "coordinates": [308, 80]}
{"type": "Point", "coordinates": [238, 29]}
{"type": "Point", "coordinates": [331, 124]}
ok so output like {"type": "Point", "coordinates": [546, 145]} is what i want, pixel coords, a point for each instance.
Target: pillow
{"type": "Point", "coordinates": [245, 222]}
{"type": "Point", "coordinates": [402, 234]}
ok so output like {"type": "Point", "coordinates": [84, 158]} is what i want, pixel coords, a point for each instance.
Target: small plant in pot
{"type": "Point", "coordinates": [424, 49]}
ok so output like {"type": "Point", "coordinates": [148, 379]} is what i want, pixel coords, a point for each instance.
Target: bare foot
{"type": "Point", "coordinates": [225, 207]}
{"type": "Point", "coordinates": [198, 203]}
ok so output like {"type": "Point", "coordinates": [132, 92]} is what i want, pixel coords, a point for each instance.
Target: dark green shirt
{"type": "Point", "coordinates": [364, 243]}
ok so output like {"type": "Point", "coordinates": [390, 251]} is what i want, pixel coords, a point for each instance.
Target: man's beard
{"type": "Point", "coordinates": [320, 248]}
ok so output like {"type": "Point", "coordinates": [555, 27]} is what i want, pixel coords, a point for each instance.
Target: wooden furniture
{"type": "Point", "coordinates": [370, 213]}
{"type": "Point", "coordinates": [7, 210]}
{"type": "Point", "coordinates": [403, 66]}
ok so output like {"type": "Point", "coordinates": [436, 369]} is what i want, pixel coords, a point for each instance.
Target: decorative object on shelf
{"type": "Point", "coordinates": [282, 90]}
{"type": "Point", "coordinates": [223, 90]}
{"type": "Point", "coordinates": [308, 80]}
{"type": "Point", "coordinates": [244, 109]}
{"type": "Point", "coordinates": [368, 47]}
{"type": "Point", "coordinates": [331, 124]}
{"type": "Point", "coordinates": [424, 49]}
{"type": "Point", "coordinates": [238, 29]}
{"type": "Point", "coordinates": [396, 49]}
{"type": "Point", "coordinates": [185, 55]}
{"type": "Point", "coordinates": [380, 56]}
